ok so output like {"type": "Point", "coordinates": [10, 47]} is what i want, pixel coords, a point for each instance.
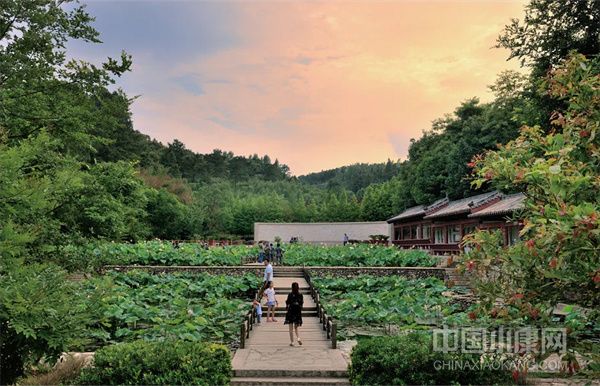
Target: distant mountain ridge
{"type": "Point", "coordinates": [353, 177]}
{"type": "Point", "coordinates": [123, 142]}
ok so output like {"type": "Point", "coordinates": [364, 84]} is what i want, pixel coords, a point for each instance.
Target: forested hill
{"type": "Point", "coordinates": [353, 177]}
{"type": "Point", "coordinates": [119, 141]}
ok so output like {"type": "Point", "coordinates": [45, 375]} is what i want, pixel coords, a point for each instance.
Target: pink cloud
{"type": "Point", "coordinates": [320, 85]}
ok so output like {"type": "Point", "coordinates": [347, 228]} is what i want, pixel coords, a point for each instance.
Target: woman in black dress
{"type": "Point", "coordinates": [293, 317]}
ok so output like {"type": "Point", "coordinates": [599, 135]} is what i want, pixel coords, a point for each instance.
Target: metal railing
{"type": "Point", "coordinates": [248, 322]}
{"type": "Point", "coordinates": [329, 325]}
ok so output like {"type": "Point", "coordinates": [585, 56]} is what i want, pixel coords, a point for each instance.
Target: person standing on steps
{"type": "Point", "coordinates": [267, 251]}
{"type": "Point", "coordinates": [261, 252]}
{"type": "Point", "coordinates": [293, 316]}
{"type": "Point", "coordinates": [258, 307]}
{"type": "Point", "coordinates": [346, 239]}
{"type": "Point", "coordinates": [271, 302]}
{"type": "Point", "coordinates": [271, 252]}
{"type": "Point", "coordinates": [267, 278]}
{"type": "Point", "coordinates": [278, 254]}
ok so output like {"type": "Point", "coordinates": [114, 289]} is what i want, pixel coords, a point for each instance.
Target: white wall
{"type": "Point", "coordinates": [324, 232]}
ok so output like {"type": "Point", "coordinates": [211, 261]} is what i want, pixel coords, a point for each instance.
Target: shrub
{"type": "Point", "coordinates": [409, 359]}
{"type": "Point", "coordinates": [41, 316]}
{"type": "Point", "coordinates": [159, 363]}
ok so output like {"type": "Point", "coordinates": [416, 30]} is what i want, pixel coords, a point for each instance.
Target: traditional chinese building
{"type": "Point", "coordinates": [440, 227]}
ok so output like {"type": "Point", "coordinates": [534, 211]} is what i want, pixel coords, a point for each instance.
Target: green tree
{"type": "Point", "coordinates": [168, 217]}
{"type": "Point", "coordinates": [110, 204]}
{"type": "Point", "coordinates": [550, 30]}
{"type": "Point", "coordinates": [41, 315]}
{"type": "Point", "coordinates": [559, 172]}
{"type": "Point", "coordinates": [381, 201]}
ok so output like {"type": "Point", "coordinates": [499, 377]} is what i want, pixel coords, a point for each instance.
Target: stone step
{"type": "Point", "coordinates": [303, 291]}
{"type": "Point", "coordinates": [278, 326]}
{"type": "Point", "coordinates": [288, 268]}
{"type": "Point", "coordinates": [282, 297]}
{"type": "Point", "coordinates": [277, 273]}
{"type": "Point", "coordinates": [276, 373]}
{"type": "Point", "coordinates": [284, 381]}
{"type": "Point", "coordinates": [307, 322]}
{"type": "Point", "coordinates": [314, 359]}
{"type": "Point", "coordinates": [282, 312]}
{"type": "Point", "coordinates": [282, 331]}
{"type": "Point", "coordinates": [305, 308]}
{"type": "Point", "coordinates": [309, 344]}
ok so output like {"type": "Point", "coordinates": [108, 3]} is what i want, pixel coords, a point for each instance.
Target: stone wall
{"type": "Point", "coordinates": [409, 272]}
{"type": "Point", "coordinates": [213, 270]}
{"type": "Point", "coordinates": [322, 232]}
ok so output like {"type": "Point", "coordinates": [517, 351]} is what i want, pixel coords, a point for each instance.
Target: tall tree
{"type": "Point", "coordinates": [559, 172]}
{"type": "Point", "coordinates": [550, 30]}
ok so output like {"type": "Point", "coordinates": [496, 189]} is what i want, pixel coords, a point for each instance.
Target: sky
{"type": "Point", "coordinates": [316, 85]}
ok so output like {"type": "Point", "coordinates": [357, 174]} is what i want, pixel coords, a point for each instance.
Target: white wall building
{"type": "Point", "coordinates": [320, 232]}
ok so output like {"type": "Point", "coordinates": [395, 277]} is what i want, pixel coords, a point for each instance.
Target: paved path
{"type": "Point", "coordinates": [268, 359]}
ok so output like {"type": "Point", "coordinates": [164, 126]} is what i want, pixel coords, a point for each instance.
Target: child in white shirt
{"type": "Point", "coordinates": [258, 308]}
{"type": "Point", "coordinates": [271, 302]}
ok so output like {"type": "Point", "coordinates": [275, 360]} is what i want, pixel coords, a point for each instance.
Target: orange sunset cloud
{"type": "Point", "coordinates": [320, 85]}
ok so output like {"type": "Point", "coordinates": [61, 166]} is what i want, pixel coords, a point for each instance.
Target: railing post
{"type": "Point", "coordinates": [248, 329]}
{"type": "Point", "coordinates": [334, 336]}
{"type": "Point", "coordinates": [243, 336]}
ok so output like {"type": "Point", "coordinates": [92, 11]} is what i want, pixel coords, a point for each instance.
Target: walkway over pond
{"type": "Point", "coordinates": [268, 359]}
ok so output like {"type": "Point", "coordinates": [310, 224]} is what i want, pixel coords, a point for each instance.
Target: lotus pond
{"type": "Point", "coordinates": [372, 303]}
{"type": "Point", "coordinates": [158, 253]}
{"type": "Point", "coordinates": [356, 255]}
{"type": "Point", "coordinates": [163, 253]}
{"type": "Point", "coordinates": [192, 307]}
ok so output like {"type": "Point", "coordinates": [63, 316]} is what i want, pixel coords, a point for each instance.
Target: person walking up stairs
{"type": "Point", "coordinates": [268, 358]}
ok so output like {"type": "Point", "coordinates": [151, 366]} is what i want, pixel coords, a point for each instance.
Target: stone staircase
{"type": "Point", "coordinates": [268, 359]}
{"type": "Point", "coordinates": [456, 278]}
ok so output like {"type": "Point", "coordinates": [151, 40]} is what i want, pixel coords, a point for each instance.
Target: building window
{"type": "Point", "coordinates": [397, 233]}
{"type": "Point", "coordinates": [413, 232]}
{"type": "Point", "coordinates": [438, 234]}
{"type": "Point", "coordinates": [405, 233]}
{"type": "Point", "coordinates": [513, 235]}
{"type": "Point", "coordinates": [468, 229]}
{"type": "Point", "coordinates": [425, 232]}
{"type": "Point", "coordinates": [454, 234]}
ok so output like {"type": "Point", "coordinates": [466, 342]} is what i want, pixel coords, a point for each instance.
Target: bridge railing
{"type": "Point", "coordinates": [328, 323]}
{"type": "Point", "coordinates": [248, 322]}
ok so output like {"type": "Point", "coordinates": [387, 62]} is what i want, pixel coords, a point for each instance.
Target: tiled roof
{"type": "Point", "coordinates": [418, 210]}
{"type": "Point", "coordinates": [507, 205]}
{"type": "Point", "coordinates": [437, 205]}
{"type": "Point", "coordinates": [464, 205]}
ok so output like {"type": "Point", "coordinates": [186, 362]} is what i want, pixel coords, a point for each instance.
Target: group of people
{"type": "Point", "coordinates": [293, 303]}
{"type": "Point", "coordinates": [267, 251]}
